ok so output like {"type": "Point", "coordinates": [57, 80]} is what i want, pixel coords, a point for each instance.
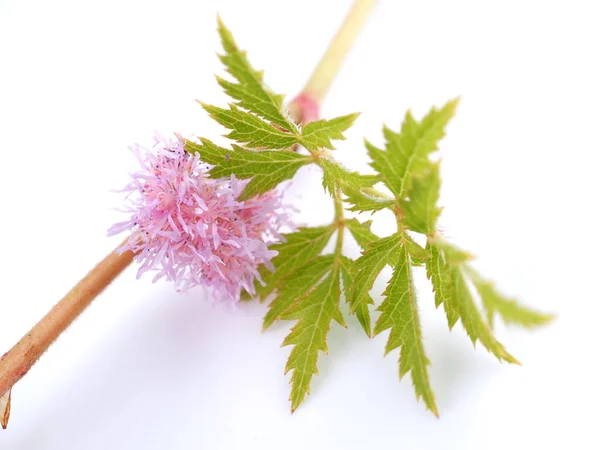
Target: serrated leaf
{"type": "Point", "coordinates": [366, 269]}
{"type": "Point", "coordinates": [509, 310]}
{"type": "Point", "coordinates": [250, 90]}
{"type": "Point", "coordinates": [209, 152]}
{"type": "Point", "coordinates": [361, 232]}
{"type": "Point", "coordinates": [300, 247]}
{"type": "Point", "coordinates": [399, 313]}
{"type": "Point", "coordinates": [406, 154]}
{"type": "Point", "coordinates": [439, 274]}
{"type": "Point", "coordinates": [418, 254]}
{"type": "Point", "coordinates": [420, 212]}
{"type": "Point", "coordinates": [336, 177]}
{"type": "Point", "coordinates": [249, 129]}
{"type": "Point", "coordinates": [266, 168]}
{"type": "Point", "coordinates": [275, 165]}
{"type": "Point", "coordinates": [473, 322]}
{"type": "Point", "coordinates": [452, 254]}
{"type": "Point", "coordinates": [362, 310]}
{"type": "Point", "coordinates": [366, 199]}
{"type": "Point", "coordinates": [314, 313]}
{"type": "Point", "coordinates": [319, 133]}
{"type": "Point", "coordinates": [297, 285]}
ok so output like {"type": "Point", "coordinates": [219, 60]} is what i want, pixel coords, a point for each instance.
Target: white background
{"type": "Point", "coordinates": [146, 368]}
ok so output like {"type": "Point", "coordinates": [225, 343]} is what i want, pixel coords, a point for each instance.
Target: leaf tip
{"type": "Point", "coordinates": [221, 28]}
{"type": "Point", "coordinates": [245, 195]}
{"type": "Point", "coordinates": [365, 323]}
{"type": "Point", "coordinates": [205, 106]}
{"type": "Point", "coordinates": [511, 359]}
{"type": "Point", "coordinates": [353, 117]}
{"type": "Point", "coordinates": [432, 407]}
{"type": "Point", "coordinates": [265, 325]}
{"type": "Point", "coordinates": [546, 319]}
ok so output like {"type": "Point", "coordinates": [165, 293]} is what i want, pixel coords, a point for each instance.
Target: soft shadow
{"type": "Point", "coordinates": [456, 367]}
{"type": "Point", "coordinates": [131, 361]}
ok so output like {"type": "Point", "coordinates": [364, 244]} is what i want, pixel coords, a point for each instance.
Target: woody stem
{"type": "Point", "coordinates": [19, 359]}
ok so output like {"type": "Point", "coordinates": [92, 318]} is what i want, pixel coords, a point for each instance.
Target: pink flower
{"type": "Point", "coordinates": [191, 229]}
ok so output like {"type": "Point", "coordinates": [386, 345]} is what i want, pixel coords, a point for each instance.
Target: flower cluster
{"type": "Point", "coordinates": [192, 229]}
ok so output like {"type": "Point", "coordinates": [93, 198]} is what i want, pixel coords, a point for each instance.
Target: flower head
{"type": "Point", "coordinates": [192, 229]}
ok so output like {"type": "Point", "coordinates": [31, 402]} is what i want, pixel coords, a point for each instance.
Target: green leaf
{"type": "Point", "coordinates": [445, 268]}
{"type": "Point", "coordinates": [260, 102]}
{"type": "Point", "coordinates": [250, 90]}
{"type": "Point", "coordinates": [399, 313]}
{"type": "Point", "coordinates": [364, 237]}
{"type": "Point", "coordinates": [452, 254]}
{"type": "Point", "coordinates": [366, 269]}
{"type": "Point", "coordinates": [296, 285]}
{"type": "Point", "coordinates": [362, 310]}
{"type": "Point", "coordinates": [314, 313]}
{"type": "Point", "coordinates": [471, 318]}
{"type": "Point", "coordinates": [418, 254]}
{"type": "Point", "coordinates": [439, 274]}
{"type": "Point", "coordinates": [420, 212]}
{"type": "Point", "coordinates": [249, 129]}
{"type": "Point", "coordinates": [337, 177]}
{"type": "Point", "coordinates": [209, 153]}
{"type": "Point", "coordinates": [366, 199]}
{"type": "Point", "coordinates": [509, 310]}
{"type": "Point", "coordinates": [266, 168]}
{"type": "Point", "coordinates": [300, 248]}
{"type": "Point", "coordinates": [319, 133]}
{"type": "Point", "coordinates": [407, 153]}
{"type": "Point", "coordinates": [361, 232]}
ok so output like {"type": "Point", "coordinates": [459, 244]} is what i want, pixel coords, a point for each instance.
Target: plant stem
{"type": "Point", "coordinates": [19, 359]}
{"type": "Point", "coordinates": [319, 82]}
{"type": "Point", "coordinates": [5, 409]}
{"type": "Point", "coordinates": [305, 107]}
{"type": "Point", "coordinates": [339, 221]}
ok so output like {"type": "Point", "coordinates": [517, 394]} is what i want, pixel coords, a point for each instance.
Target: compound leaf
{"type": "Point", "coordinates": [319, 133]}
{"type": "Point", "coordinates": [250, 91]}
{"type": "Point", "coordinates": [314, 313]}
{"type": "Point", "coordinates": [266, 168]}
{"type": "Point", "coordinates": [406, 154]}
{"type": "Point", "coordinates": [249, 129]}
{"type": "Point", "coordinates": [400, 315]}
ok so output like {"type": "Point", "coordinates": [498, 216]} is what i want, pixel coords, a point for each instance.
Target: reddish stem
{"type": "Point", "coordinates": [18, 360]}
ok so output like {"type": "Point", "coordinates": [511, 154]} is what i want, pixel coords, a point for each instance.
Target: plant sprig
{"type": "Point", "coordinates": [307, 286]}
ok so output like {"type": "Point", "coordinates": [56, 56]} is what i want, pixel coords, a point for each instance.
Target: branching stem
{"type": "Point", "coordinates": [19, 359]}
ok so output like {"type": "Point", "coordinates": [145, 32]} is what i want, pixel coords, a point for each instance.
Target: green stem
{"type": "Point", "coordinates": [330, 63]}
{"type": "Point", "coordinates": [339, 221]}
{"type": "Point", "coordinates": [399, 223]}
{"type": "Point", "coordinates": [305, 107]}
{"type": "Point", "coordinates": [339, 207]}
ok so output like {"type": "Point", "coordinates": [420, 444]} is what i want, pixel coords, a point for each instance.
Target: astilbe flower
{"type": "Point", "coordinates": [192, 229]}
